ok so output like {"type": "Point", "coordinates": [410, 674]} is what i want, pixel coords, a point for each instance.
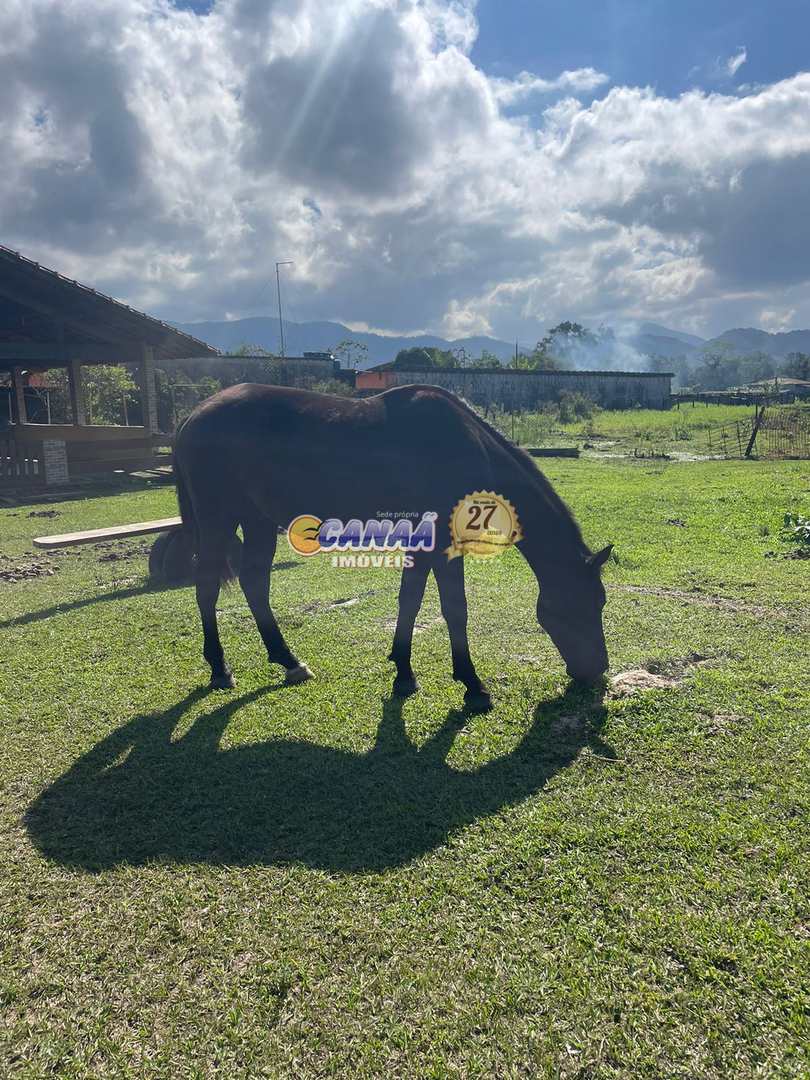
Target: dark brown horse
{"type": "Point", "coordinates": [260, 456]}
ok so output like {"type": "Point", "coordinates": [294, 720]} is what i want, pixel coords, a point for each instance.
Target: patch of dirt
{"type": "Point", "coordinates": [121, 550]}
{"type": "Point", "coordinates": [44, 514]}
{"type": "Point", "coordinates": [797, 553]}
{"type": "Point", "coordinates": [657, 675]}
{"type": "Point", "coordinates": [331, 605]}
{"type": "Point", "coordinates": [420, 626]}
{"type": "Point", "coordinates": [677, 522]}
{"type": "Point", "coordinates": [721, 723]}
{"type": "Point", "coordinates": [25, 569]}
{"type": "Point", "coordinates": [678, 667]}
{"type": "Point", "coordinates": [721, 603]}
{"type": "Point", "coordinates": [633, 682]}
{"type": "Point", "coordinates": [568, 727]}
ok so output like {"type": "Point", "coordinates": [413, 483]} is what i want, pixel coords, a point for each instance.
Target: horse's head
{"type": "Point", "coordinates": [570, 611]}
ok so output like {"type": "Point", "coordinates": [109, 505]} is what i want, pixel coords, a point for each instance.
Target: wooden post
{"type": "Point", "coordinates": [19, 411]}
{"type": "Point", "coordinates": [76, 390]}
{"type": "Point", "coordinates": [148, 385]}
{"type": "Point", "coordinates": [74, 377]}
{"type": "Point", "coordinates": [754, 430]}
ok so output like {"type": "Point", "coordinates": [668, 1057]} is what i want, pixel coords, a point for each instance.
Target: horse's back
{"type": "Point", "coordinates": [254, 410]}
{"type": "Point", "coordinates": [291, 451]}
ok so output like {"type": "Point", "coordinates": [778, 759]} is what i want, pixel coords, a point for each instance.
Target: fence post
{"type": "Point", "coordinates": [754, 430]}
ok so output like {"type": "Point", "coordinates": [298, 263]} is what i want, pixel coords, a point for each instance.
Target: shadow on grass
{"type": "Point", "coordinates": [104, 598]}
{"type": "Point", "coordinates": [139, 796]}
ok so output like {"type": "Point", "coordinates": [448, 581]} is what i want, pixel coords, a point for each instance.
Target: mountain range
{"type": "Point", "coordinates": [635, 342]}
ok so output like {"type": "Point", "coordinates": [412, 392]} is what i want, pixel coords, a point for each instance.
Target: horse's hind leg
{"type": "Point", "coordinates": [211, 563]}
{"type": "Point", "coordinates": [257, 558]}
{"type": "Point", "coordinates": [411, 592]}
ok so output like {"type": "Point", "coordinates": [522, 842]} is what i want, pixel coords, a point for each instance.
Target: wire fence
{"type": "Point", "coordinates": [772, 431]}
{"type": "Point", "coordinates": [783, 433]}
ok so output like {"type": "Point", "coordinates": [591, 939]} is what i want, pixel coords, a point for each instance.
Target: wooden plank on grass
{"type": "Point", "coordinates": [553, 451]}
{"type": "Point", "coordinates": [115, 532]}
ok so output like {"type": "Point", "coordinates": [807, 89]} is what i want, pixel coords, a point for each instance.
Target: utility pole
{"type": "Point", "coordinates": [287, 262]}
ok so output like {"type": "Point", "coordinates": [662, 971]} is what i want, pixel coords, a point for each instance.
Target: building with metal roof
{"type": "Point", "coordinates": [50, 321]}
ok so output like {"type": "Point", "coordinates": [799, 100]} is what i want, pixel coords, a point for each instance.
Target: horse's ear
{"type": "Point", "coordinates": [601, 557]}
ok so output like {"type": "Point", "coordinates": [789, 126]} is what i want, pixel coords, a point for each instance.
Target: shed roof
{"type": "Point", "coordinates": [34, 300]}
{"type": "Point", "coordinates": [504, 370]}
{"type": "Point", "coordinates": [785, 381]}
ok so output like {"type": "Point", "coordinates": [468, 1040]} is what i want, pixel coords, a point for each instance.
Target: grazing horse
{"type": "Point", "coordinates": [260, 456]}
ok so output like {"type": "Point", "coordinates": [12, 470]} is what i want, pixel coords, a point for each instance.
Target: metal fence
{"type": "Point", "coordinates": [771, 432]}
{"type": "Point", "coordinates": [783, 433]}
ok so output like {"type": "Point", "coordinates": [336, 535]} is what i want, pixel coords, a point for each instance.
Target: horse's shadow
{"type": "Point", "coordinates": [139, 796]}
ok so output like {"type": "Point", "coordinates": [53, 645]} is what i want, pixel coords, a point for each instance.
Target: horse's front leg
{"type": "Point", "coordinates": [411, 592]}
{"type": "Point", "coordinates": [259, 549]}
{"type": "Point", "coordinates": [450, 580]}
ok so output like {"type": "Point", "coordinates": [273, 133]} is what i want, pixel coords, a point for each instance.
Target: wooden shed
{"type": "Point", "coordinates": [48, 321]}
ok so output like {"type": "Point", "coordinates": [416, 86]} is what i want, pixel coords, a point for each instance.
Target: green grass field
{"type": "Point", "coordinates": [317, 880]}
{"type": "Point", "coordinates": [690, 431]}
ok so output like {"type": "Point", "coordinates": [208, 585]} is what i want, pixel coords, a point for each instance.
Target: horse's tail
{"type": "Point", "coordinates": [191, 524]}
{"type": "Point", "coordinates": [186, 506]}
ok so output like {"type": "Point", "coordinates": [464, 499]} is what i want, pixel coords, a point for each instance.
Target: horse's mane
{"type": "Point", "coordinates": [535, 479]}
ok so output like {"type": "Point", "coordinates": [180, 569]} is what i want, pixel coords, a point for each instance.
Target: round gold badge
{"type": "Point", "coordinates": [302, 534]}
{"type": "Point", "coordinates": [483, 524]}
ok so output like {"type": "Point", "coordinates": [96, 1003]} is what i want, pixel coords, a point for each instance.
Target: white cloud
{"type": "Point", "coordinates": [733, 64]}
{"type": "Point", "coordinates": [583, 80]}
{"type": "Point", "coordinates": [171, 159]}
{"type": "Point", "coordinates": [777, 320]}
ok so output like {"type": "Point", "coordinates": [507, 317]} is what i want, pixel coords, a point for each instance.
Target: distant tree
{"type": "Point", "coordinates": [567, 338]}
{"type": "Point", "coordinates": [557, 349]}
{"type": "Point", "coordinates": [678, 365]}
{"type": "Point", "coordinates": [542, 356]}
{"type": "Point", "coordinates": [351, 352]}
{"type": "Point", "coordinates": [714, 368]}
{"type": "Point", "coordinates": [246, 349]}
{"type": "Point", "coordinates": [796, 366]}
{"type": "Point", "coordinates": [333, 386]}
{"type": "Point", "coordinates": [487, 359]}
{"type": "Point", "coordinates": [522, 361]}
{"type": "Point", "coordinates": [753, 367]}
{"type": "Point", "coordinates": [423, 359]}
{"type": "Point", "coordinates": [110, 394]}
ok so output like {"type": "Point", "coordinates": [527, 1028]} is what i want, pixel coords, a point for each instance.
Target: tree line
{"type": "Point", "coordinates": [720, 368]}
{"type": "Point", "coordinates": [570, 344]}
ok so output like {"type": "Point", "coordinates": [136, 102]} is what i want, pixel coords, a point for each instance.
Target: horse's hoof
{"type": "Point", "coordinates": [405, 687]}
{"type": "Point", "coordinates": [298, 675]}
{"type": "Point", "coordinates": [477, 701]}
{"type": "Point", "coordinates": [222, 682]}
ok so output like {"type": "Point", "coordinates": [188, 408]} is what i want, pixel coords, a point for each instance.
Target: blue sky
{"type": "Point", "coordinates": [669, 45]}
{"type": "Point", "coordinates": [428, 165]}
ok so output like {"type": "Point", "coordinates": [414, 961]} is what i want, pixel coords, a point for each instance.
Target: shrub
{"type": "Point", "coordinates": [575, 406]}
{"type": "Point", "coordinates": [333, 386]}
{"type": "Point", "coordinates": [796, 530]}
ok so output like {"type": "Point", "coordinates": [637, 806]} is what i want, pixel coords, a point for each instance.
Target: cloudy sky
{"type": "Point", "coordinates": [439, 165]}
